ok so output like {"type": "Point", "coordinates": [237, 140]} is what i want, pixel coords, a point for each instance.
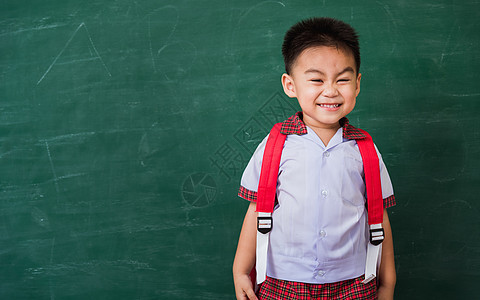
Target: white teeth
{"type": "Point", "coordinates": [329, 105]}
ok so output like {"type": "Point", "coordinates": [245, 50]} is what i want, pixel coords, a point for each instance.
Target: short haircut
{"type": "Point", "coordinates": [316, 32]}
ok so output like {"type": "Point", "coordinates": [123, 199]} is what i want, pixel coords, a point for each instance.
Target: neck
{"type": "Point", "coordinates": [326, 134]}
{"type": "Point", "coordinates": [324, 131]}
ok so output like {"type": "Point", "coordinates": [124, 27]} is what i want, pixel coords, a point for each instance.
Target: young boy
{"type": "Point", "coordinates": [318, 242]}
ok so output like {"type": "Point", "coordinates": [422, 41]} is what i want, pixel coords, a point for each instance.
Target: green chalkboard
{"type": "Point", "coordinates": [125, 127]}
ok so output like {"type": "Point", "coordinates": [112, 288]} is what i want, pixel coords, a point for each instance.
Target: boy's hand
{"type": "Point", "coordinates": [243, 288]}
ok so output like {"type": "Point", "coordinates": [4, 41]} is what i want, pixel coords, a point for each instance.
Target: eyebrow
{"type": "Point", "coordinates": [346, 70]}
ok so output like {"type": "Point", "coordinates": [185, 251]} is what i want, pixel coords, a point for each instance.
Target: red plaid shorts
{"type": "Point", "coordinates": [274, 289]}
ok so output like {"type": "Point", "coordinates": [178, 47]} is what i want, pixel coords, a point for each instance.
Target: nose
{"type": "Point", "coordinates": [330, 90]}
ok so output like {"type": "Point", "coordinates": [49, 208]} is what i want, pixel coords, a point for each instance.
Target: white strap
{"type": "Point", "coordinates": [374, 252]}
{"type": "Point", "coordinates": [373, 261]}
{"type": "Point", "coordinates": [261, 260]}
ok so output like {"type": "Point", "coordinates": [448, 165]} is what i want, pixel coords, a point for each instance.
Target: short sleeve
{"type": "Point", "coordinates": [387, 188]}
{"type": "Point", "coordinates": [251, 174]}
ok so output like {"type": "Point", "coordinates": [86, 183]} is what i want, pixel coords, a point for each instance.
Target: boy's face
{"type": "Point", "coordinates": [325, 82]}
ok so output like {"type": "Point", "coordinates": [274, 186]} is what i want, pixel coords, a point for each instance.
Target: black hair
{"type": "Point", "coordinates": [315, 32]}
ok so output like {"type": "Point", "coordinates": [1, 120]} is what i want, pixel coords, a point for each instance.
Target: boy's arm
{"type": "Point", "coordinates": [387, 276]}
{"type": "Point", "coordinates": [245, 256]}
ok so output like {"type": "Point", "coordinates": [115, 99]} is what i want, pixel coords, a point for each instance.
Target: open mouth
{"type": "Point", "coordinates": [329, 105]}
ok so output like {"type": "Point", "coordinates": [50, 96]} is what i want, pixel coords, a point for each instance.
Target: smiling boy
{"type": "Point", "coordinates": [319, 239]}
{"type": "Point", "coordinates": [324, 81]}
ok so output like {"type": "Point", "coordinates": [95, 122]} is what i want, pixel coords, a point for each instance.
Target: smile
{"type": "Point", "coordinates": [329, 105]}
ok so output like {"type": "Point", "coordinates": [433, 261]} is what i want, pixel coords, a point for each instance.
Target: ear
{"type": "Point", "coordinates": [357, 90]}
{"type": "Point", "coordinates": [288, 85]}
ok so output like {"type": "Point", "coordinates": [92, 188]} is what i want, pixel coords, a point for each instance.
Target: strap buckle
{"type": "Point", "coordinates": [264, 222]}
{"type": "Point", "coordinates": [377, 234]}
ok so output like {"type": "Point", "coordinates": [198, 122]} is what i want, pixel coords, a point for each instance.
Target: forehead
{"type": "Point", "coordinates": [324, 58]}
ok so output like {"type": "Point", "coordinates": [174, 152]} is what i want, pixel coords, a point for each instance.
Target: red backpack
{"type": "Point", "coordinates": [267, 190]}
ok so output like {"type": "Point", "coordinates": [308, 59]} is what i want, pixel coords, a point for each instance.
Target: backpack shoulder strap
{"type": "Point", "coordinates": [375, 205]}
{"type": "Point", "coordinates": [267, 188]}
{"type": "Point", "coordinates": [267, 185]}
{"type": "Point", "coordinates": [374, 186]}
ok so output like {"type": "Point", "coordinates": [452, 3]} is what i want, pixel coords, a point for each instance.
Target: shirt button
{"type": "Point", "coordinates": [321, 273]}
{"type": "Point", "coordinates": [324, 193]}
{"type": "Point", "coordinates": [323, 233]}
{"type": "Point", "coordinates": [326, 154]}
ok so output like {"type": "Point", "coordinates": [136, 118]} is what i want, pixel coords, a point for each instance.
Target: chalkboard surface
{"type": "Point", "coordinates": [125, 127]}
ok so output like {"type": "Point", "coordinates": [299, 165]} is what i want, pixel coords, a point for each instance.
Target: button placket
{"type": "Point", "coordinates": [324, 193]}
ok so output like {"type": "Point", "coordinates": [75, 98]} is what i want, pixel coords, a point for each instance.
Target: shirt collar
{"type": "Point", "coordinates": [295, 125]}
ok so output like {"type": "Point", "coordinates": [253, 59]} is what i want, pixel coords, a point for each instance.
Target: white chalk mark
{"type": "Point", "coordinates": [52, 293]}
{"type": "Point", "coordinates": [69, 136]}
{"type": "Point", "coordinates": [244, 15]}
{"type": "Point", "coordinates": [465, 95]}
{"type": "Point", "coordinates": [169, 35]}
{"type": "Point", "coordinates": [38, 28]}
{"type": "Point", "coordinates": [163, 48]}
{"type": "Point", "coordinates": [176, 19]}
{"type": "Point", "coordinates": [151, 48]}
{"type": "Point", "coordinates": [94, 48]}
{"type": "Point", "coordinates": [60, 54]}
{"type": "Point", "coordinates": [55, 178]}
{"type": "Point", "coordinates": [257, 5]}
{"type": "Point", "coordinates": [447, 43]}
{"type": "Point", "coordinates": [68, 176]}
{"type": "Point", "coordinates": [6, 153]}
{"type": "Point", "coordinates": [77, 61]}
{"type": "Point", "coordinates": [193, 47]}
{"type": "Point", "coordinates": [66, 46]}
{"type": "Point", "coordinates": [393, 21]}
{"type": "Point", "coordinates": [51, 250]}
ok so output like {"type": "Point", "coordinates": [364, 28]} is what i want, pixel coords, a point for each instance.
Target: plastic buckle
{"type": "Point", "coordinates": [264, 222]}
{"type": "Point", "coordinates": [377, 234]}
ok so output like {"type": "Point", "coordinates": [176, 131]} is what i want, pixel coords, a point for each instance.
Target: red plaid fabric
{"type": "Point", "coordinates": [247, 194]}
{"type": "Point", "coordinates": [275, 289]}
{"type": "Point", "coordinates": [295, 125]}
{"type": "Point", "coordinates": [389, 202]}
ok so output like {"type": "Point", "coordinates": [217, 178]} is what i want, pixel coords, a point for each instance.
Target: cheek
{"type": "Point", "coordinates": [311, 90]}
{"type": "Point", "coordinates": [350, 98]}
{"type": "Point", "coordinates": [351, 92]}
{"type": "Point", "coordinates": [303, 93]}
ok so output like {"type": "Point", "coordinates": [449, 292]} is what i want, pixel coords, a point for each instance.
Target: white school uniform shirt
{"type": "Point", "coordinates": [319, 232]}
